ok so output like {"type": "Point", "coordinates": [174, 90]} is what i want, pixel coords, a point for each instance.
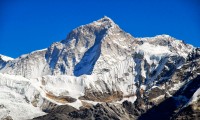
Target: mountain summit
{"type": "Point", "coordinates": [105, 21]}
{"type": "Point", "coordinates": [99, 66]}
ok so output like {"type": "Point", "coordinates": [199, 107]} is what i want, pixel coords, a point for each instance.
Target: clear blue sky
{"type": "Point", "coordinates": [28, 25]}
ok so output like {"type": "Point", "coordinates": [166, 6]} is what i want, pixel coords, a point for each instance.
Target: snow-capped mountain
{"type": "Point", "coordinates": [96, 63]}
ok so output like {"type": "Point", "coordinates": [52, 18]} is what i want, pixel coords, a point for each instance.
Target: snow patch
{"type": "Point", "coordinates": [130, 99]}
{"type": "Point", "coordinates": [195, 97]}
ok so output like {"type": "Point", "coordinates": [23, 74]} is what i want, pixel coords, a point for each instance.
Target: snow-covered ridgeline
{"type": "Point", "coordinates": [6, 58]}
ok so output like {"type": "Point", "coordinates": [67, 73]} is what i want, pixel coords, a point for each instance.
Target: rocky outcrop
{"type": "Point", "coordinates": [103, 111]}
{"type": "Point", "coordinates": [174, 104]}
{"type": "Point", "coordinates": [188, 113]}
{"type": "Point", "coordinates": [103, 97]}
{"type": "Point", "coordinates": [195, 54]}
{"type": "Point", "coordinates": [58, 113]}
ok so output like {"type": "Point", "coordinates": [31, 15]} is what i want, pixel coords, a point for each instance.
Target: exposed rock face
{"type": "Point", "coordinates": [195, 54]}
{"type": "Point", "coordinates": [103, 111]}
{"type": "Point", "coordinates": [100, 63]}
{"type": "Point", "coordinates": [190, 112]}
{"type": "Point", "coordinates": [103, 97]}
{"type": "Point", "coordinates": [58, 113]}
{"type": "Point", "coordinates": [174, 105]}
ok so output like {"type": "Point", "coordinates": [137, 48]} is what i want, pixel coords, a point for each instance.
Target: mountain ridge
{"type": "Point", "coordinates": [99, 63]}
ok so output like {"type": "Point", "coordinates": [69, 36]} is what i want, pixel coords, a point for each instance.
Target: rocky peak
{"type": "Point", "coordinates": [98, 27]}
{"type": "Point", "coordinates": [105, 21]}
{"type": "Point", "coordinates": [79, 44]}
